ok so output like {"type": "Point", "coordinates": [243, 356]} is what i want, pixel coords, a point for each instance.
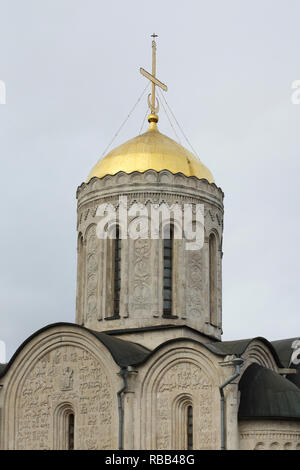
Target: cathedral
{"type": "Point", "coordinates": [144, 365]}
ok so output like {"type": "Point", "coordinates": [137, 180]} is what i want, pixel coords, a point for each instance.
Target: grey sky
{"type": "Point", "coordinates": [71, 72]}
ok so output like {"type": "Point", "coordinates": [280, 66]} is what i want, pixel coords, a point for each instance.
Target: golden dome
{"type": "Point", "coordinates": [151, 150]}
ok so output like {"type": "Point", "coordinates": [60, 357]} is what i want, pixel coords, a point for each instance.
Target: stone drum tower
{"type": "Point", "coordinates": [151, 281]}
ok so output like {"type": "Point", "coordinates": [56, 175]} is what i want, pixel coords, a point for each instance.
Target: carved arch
{"type": "Point", "coordinates": [35, 387]}
{"type": "Point", "coordinates": [259, 446]}
{"type": "Point", "coordinates": [87, 230]}
{"type": "Point", "coordinates": [215, 232]}
{"type": "Point", "coordinates": [61, 426]}
{"type": "Point", "coordinates": [181, 370]}
{"type": "Point", "coordinates": [257, 352]}
{"type": "Point", "coordinates": [180, 407]}
{"type": "Point", "coordinates": [213, 278]}
{"type": "Point", "coordinates": [80, 279]}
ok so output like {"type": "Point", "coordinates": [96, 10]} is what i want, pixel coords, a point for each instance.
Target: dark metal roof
{"type": "Point", "coordinates": [238, 347]}
{"type": "Point", "coordinates": [295, 378]}
{"type": "Point", "coordinates": [126, 353]}
{"type": "Point", "coordinates": [123, 352]}
{"type": "Point", "coordinates": [125, 331]}
{"type": "Point", "coordinates": [284, 350]}
{"type": "Point", "coordinates": [267, 395]}
{"type": "Point", "coordinates": [220, 348]}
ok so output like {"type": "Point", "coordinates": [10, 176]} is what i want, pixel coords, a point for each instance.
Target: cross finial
{"type": "Point", "coordinates": [155, 82]}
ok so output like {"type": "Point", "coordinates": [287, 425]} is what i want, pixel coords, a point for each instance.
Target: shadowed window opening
{"type": "Point", "coordinates": [71, 428]}
{"type": "Point", "coordinates": [117, 272]}
{"type": "Point", "coordinates": [190, 427]}
{"type": "Point", "coordinates": [168, 273]}
{"type": "Point", "coordinates": [213, 279]}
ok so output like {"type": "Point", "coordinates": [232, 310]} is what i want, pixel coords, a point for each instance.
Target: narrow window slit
{"type": "Point", "coordinates": [117, 273]}
{"type": "Point", "coordinates": [168, 273]}
{"type": "Point", "coordinates": [71, 427]}
{"type": "Point", "coordinates": [190, 428]}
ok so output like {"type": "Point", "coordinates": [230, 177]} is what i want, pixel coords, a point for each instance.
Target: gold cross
{"type": "Point", "coordinates": [152, 77]}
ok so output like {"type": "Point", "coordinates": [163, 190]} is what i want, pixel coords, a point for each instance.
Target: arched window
{"type": "Point", "coordinates": [80, 281]}
{"type": "Point", "coordinates": [182, 423]}
{"type": "Point", "coordinates": [71, 428]}
{"type": "Point", "coordinates": [213, 279]}
{"type": "Point", "coordinates": [189, 428]}
{"type": "Point", "coordinates": [117, 272]}
{"type": "Point", "coordinates": [64, 427]}
{"type": "Point", "coordinates": [168, 271]}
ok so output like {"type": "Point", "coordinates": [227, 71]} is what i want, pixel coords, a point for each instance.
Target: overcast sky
{"type": "Point", "coordinates": [71, 69]}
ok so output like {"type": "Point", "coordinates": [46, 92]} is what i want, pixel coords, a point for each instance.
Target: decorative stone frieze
{"type": "Point", "coordinates": [269, 435]}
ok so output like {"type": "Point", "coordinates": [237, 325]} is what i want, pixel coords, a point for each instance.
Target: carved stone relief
{"type": "Point", "coordinates": [269, 435]}
{"type": "Point", "coordinates": [184, 378]}
{"type": "Point", "coordinates": [195, 275]}
{"type": "Point", "coordinates": [142, 274]}
{"type": "Point", "coordinates": [92, 268]}
{"type": "Point", "coordinates": [141, 296]}
{"type": "Point", "coordinates": [71, 375]}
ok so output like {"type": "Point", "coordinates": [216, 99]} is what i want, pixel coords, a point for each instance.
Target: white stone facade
{"type": "Point", "coordinates": [269, 435]}
{"type": "Point", "coordinates": [142, 265]}
{"type": "Point", "coordinates": [177, 362]}
{"type": "Point", "coordinates": [66, 366]}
